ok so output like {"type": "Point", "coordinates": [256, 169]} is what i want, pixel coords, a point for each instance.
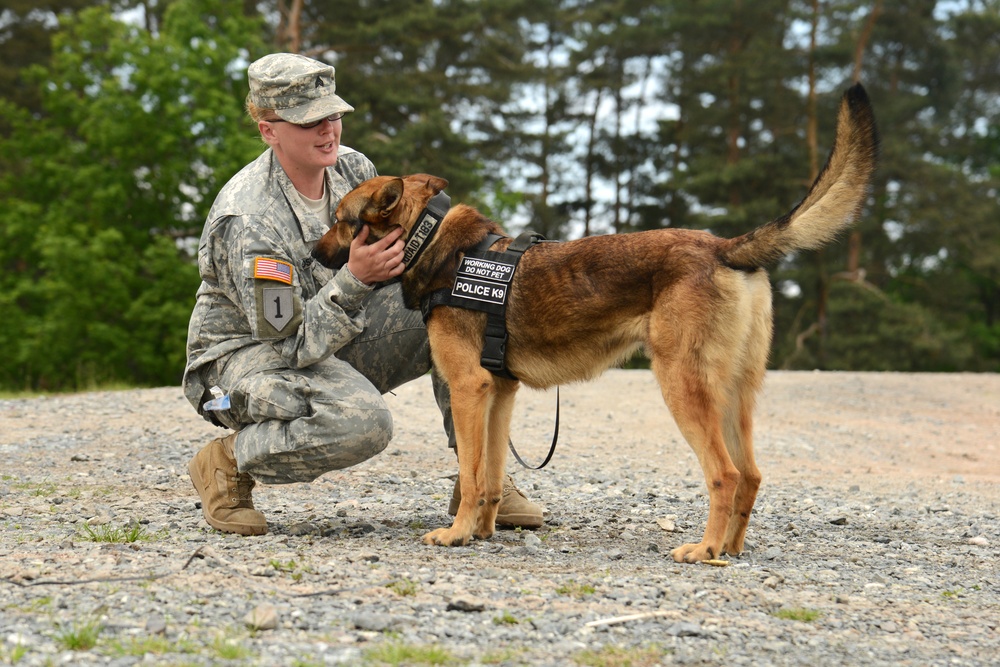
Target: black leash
{"type": "Point", "coordinates": [552, 447]}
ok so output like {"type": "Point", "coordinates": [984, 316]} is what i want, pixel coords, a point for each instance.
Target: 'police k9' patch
{"type": "Point", "coordinates": [484, 280]}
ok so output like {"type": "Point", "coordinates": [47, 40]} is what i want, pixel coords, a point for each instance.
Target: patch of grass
{"type": "Point", "coordinates": [230, 647]}
{"type": "Point", "coordinates": [32, 606]}
{"type": "Point", "coordinates": [403, 587]}
{"type": "Point", "coordinates": [140, 646]}
{"type": "Point", "coordinates": [959, 593]}
{"type": "Point", "coordinates": [14, 655]}
{"type": "Point", "coordinates": [128, 534]}
{"type": "Point", "coordinates": [291, 567]}
{"type": "Point", "coordinates": [616, 656]}
{"type": "Point", "coordinates": [80, 636]}
{"type": "Point", "coordinates": [503, 656]}
{"type": "Point", "coordinates": [575, 590]}
{"type": "Point", "coordinates": [9, 395]}
{"type": "Point", "coordinates": [398, 653]}
{"type": "Point", "coordinates": [282, 567]}
{"type": "Point", "coordinates": [797, 614]}
{"type": "Point", "coordinates": [505, 619]}
{"type": "Point", "coordinates": [38, 489]}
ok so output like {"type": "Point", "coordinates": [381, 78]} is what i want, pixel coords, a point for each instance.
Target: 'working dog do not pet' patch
{"type": "Point", "coordinates": [483, 280]}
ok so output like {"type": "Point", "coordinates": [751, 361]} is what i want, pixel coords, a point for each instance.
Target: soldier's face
{"type": "Point", "coordinates": [308, 149]}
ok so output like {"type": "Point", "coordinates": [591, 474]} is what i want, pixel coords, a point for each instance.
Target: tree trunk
{"type": "Point", "coordinates": [822, 283]}
{"type": "Point", "coordinates": [854, 241]}
{"type": "Point", "coordinates": [588, 203]}
{"type": "Point", "coordinates": [288, 36]}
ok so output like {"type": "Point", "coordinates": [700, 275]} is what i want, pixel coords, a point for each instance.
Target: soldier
{"type": "Point", "coordinates": [291, 356]}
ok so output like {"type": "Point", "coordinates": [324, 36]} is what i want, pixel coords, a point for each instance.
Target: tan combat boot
{"type": "Point", "coordinates": [515, 510]}
{"type": "Point", "coordinates": [225, 492]}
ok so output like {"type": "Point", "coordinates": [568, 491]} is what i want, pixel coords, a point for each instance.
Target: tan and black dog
{"type": "Point", "coordinates": [700, 306]}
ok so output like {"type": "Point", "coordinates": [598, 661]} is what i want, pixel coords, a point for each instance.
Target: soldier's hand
{"type": "Point", "coordinates": [379, 261]}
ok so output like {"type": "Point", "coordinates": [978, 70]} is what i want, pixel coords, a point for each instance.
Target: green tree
{"type": "Point", "coordinates": [930, 238]}
{"type": "Point", "coordinates": [26, 28]}
{"type": "Point", "coordinates": [137, 133]}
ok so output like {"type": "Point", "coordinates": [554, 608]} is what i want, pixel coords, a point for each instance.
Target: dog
{"type": "Point", "coordinates": [699, 304]}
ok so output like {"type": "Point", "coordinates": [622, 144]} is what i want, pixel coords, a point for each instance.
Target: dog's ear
{"type": "Point", "coordinates": [388, 196]}
{"type": "Point", "coordinates": [435, 183]}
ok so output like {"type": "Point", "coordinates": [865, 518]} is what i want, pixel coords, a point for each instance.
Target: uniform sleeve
{"type": "Point", "coordinates": [279, 303]}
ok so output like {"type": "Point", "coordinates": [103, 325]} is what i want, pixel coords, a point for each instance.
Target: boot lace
{"type": "Point", "coordinates": [244, 485]}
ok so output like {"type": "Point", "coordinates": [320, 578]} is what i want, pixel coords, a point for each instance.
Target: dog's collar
{"type": "Point", "coordinates": [427, 225]}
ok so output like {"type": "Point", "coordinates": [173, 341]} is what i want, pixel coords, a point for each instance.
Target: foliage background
{"type": "Point", "coordinates": [119, 121]}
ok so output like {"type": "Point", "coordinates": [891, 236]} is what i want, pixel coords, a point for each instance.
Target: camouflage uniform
{"type": "Point", "coordinates": [300, 355]}
{"type": "Point", "coordinates": [303, 353]}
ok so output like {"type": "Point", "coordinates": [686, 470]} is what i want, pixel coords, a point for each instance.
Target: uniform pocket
{"type": "Point", "coordinates": [265, 396]}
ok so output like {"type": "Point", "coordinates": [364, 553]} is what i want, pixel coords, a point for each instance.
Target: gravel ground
{"type": "Point", "coordinates": [874, 540]}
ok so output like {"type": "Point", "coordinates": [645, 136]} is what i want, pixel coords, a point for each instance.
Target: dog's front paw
{"type": "Point", "coordinates": [447, 537]}
{"type": "Point", "coordinates": [695, 553]}
{"type": "Point", "coordinates": [732, 548]}
{"type": "Point", "coordinates": [484, 530]}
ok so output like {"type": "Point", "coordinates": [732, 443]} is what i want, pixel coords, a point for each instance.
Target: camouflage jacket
{"type": "Point", "coordinates": [260, 284]}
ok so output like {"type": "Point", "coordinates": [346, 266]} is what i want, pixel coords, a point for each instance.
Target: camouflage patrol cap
{"type": "Point", "coordinates": [299, 89]}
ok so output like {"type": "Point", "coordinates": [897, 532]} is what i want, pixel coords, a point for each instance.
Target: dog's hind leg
{"type": "Point", "coordinates": [688, 345]}
{"type": "Point", "coordinates": [738, 420]}
{"type": "Point", "coordinates": [738, 429]}
{"type": "Point", "coordinates": [697, 413]}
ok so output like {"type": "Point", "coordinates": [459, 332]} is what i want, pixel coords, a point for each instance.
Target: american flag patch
{"type": "Point", "coordinates": [272, 269]}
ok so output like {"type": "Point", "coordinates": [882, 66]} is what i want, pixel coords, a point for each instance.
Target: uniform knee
{"type": "Point", "coordinates": [346, 434]}
{"type": "Point", "coordinates": [332, 438]}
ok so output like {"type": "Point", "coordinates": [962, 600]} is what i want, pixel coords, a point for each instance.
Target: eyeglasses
{"type": "Point", "coordinates": [309, 126]}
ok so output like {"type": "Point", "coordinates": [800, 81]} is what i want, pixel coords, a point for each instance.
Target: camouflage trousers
{"type": "Point", "coordinates": [296, 424]}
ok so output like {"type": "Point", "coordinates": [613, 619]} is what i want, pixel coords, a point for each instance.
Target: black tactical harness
{"type": "Point", "coordinates": [482, 282]}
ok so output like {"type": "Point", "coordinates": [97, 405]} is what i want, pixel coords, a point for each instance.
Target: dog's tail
{"type": "Point", "coordinates": [834, 200]}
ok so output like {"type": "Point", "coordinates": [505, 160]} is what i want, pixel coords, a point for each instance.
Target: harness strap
{"type": "Point", "coordinates": [493, 357]}
{"type": "Point", "coordinates": [524, 241]}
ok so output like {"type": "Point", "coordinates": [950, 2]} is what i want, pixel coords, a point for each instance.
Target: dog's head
{"type": "Point", "coordinates": [383, 203]}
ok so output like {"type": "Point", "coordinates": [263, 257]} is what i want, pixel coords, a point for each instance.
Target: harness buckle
{"type": "Point", "coordinates": [494, 346]}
